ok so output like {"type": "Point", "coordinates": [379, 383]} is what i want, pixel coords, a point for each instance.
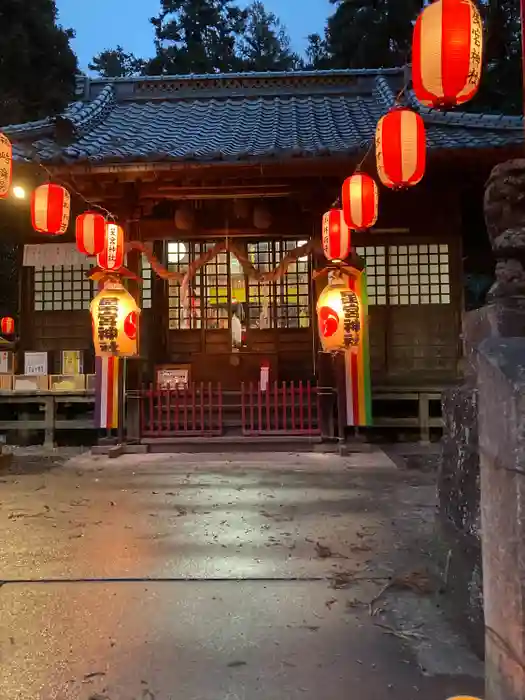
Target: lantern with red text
{"type": "Point", "coordinates": [115, 322]}
{"type": "Point", "coordinates": [447, 53]}
{"type": "Point", "coordinates": [6, 165]}
{"type": "Point", "coordinates": [111, 257]}
{"type": "Point", "coordinates": [336, 236]}
{"type": "Point", "coordinates": [339, 317]}
{"type": "Point", "coordinates": [50, 207]}
{"type": "Point", "coordinates": [90, 231]}
{"type": "Point", "coordinates": [400, 148]}
{"type": "Point", "coordinates": [7, 325]}
{"type": "Point", "coordinates": [360, 197]}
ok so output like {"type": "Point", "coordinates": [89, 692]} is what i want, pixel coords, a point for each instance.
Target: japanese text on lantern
{"type": "Point", "coordinates": [475, 55]}
{"type": "Point", "coordinates": [5, 165]}
{"type": "Point", "coordinates": [107, 325]}
{"type": "Point", "coordinates": [352, 321]}
{"type": "Point", "coordinates": [112, 243]}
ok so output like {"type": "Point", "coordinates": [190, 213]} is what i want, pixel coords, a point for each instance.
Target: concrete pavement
{"type": "Point", "coordinates": [205, 577]}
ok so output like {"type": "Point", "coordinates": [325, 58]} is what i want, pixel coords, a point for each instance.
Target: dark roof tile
{"type": "Point", "coordinates": [244, 117]}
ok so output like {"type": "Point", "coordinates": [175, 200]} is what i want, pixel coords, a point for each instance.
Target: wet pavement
{"type": "Point", "coordinates": [202, 577]}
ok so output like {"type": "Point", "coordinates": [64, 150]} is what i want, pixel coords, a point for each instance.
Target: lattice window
{"type": "Point", "coordinates": [419, 274]}
{"type": "Point", "coordinates": [60, 288]}
{"type": "Point", "coordinates": [285, 303]}
{"type": "Point", "coordinates": [216, 282]}
{"type": "Point", "coordinates": [220, 289]}
{"type": "Point", "coordinates": [147, 281]}
{"type": "Point", "coordinates": [261, 296]}
{"type": "Point", "coordinates": [293, 289]}
{"type": "Point", "coordinates": [402, 275]}
{"type": "Point", "coordinates": [179, 256]}
{"type": "Point", "coordinates": [376, 273]}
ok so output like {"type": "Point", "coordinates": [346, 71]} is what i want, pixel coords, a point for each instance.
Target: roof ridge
{"type": "Point", "coordinates": [472, 120]}
{"type": "Point", "coordinates": [83, 116]}
{"type": "Point", "coordinates": [277, 75]}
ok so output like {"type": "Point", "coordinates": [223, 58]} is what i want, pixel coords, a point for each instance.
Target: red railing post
{"type": "Point", "coordinates": [292, 394]}
{"type": "Point", "coordinates": [193, 408]}
{"type": "Point", "coordinates": [268, 407]}
{"type": "Point", "coordinates": [259, 408]}
{"type": "Point", "coordinates": [177, 407]}
{"type": "Point", "coordinates": [276, 404]}
{"type": "Point", "coordinates": [252, 409]}
{"type": "Point", "coordinates": [301, 407]}
{"type": "Point", "coordinates": [309, 404]}
{"type": "Point", "coordinates": [210, 406]}
{"type": "Point", "coordinates": [166, 427]}
{"type": "Point", "coordinates": [219, 398]}
{"type": "Point", "coordinates": [185, 408]}
{"type": "Point", "coordinates": [243, 409]}
{"type": "Point", "coordinates": [285, 408]}
{"type": "Point", "coordinates": [201, 406]}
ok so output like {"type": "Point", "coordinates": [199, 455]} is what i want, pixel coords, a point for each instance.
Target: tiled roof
{"type": "Point", "coordinates": [244, 117]}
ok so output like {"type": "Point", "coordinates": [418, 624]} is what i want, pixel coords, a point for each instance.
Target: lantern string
{"type": "Point", "coordinates": [93, 205]}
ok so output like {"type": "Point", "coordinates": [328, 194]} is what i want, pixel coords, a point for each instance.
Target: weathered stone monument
{"type": "Point", "coordinates": [501, 410]}
{"type": "Point", "coordinates": [494, 391]}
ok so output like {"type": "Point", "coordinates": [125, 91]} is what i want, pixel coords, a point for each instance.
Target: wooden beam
{"type": "Point", "coordinates": [164, 229]}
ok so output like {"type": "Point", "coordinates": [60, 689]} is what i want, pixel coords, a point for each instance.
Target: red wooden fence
{"type": "Point", "coordinates": [194, 411]}
{"type": "Point", "coordinates": [282, 409]}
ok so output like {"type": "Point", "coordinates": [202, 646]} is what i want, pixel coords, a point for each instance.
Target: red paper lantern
{"type": "Point", "coordinates": [111, 257]}
{"type": "Point", "coordinates": [336, 236]}
{"type": "Point", "coordinates": [50, 207]}
{"type": "Point", "coordinates": [90, 233]}
{"type": "Point", "coordinates": [400, 148]}
{"type": "Point", "coordinates": [360, 197]}
{"type": "Point", "coordinates": [6, 165]}
{"type": "Point", "coordinates": [7, 325]}
{"type": "Point", "coordinates": [447, 53]}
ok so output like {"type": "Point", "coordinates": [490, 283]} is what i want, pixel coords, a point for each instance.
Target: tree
{"type": "Point", "coordinates": [501, 87]}
{"type": "Point", "coordinates": [265, 44]}
{"type": "Point", "coordinates": [37, 64]}
{"type": "Point", "coordinates": [371, 33]}
{"type": "Point", "coordinates": [117, 63]}
{"type": "Point", "coordinates": [196, 36]}
{"type": "Point", "coordinates": [317, 56]}
{"type": "Point", "coordinates": [37, 80]}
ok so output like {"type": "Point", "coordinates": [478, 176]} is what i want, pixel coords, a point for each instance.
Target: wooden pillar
{"type": "Point", "coordinates": [130, 380]}
{"type": "Point", "coordinates": [325, 381]}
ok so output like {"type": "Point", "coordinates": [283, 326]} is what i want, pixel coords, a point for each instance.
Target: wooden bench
{"type": "Point", "coordinates": [422, 395]}
{"type": "Point", "coordinates": [46, 402]}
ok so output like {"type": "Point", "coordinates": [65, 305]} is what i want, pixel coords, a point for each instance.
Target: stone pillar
{"type": "Point", "coordinates": [501, 382]}
{"type": "Point", "coordinates": [501, 391]}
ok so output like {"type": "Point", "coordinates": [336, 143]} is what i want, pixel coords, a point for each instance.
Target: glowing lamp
{"type": "Point", "coordinates": [111, 256]}
{"type": "Point", "coordinates": [90, 232]}
{"type": "Point", "coordinates": [447, 53]}
{"type": "Point", "coordinates": [360, 197]}
{"type": "Point", "coordinates": [339, 317]}
{"type": "Point", "coordinates": [400, 148]}
{"type": "Point", "coordinates": [115, 321]}
{"type": "Point", "coordinates": [336, 236]}
{"type": "Point", "coordinates": [6, 165]}
{"type": "Point", "coordinates": [50, 208]}
{"type": "Point", "coordinates": [7, 325]}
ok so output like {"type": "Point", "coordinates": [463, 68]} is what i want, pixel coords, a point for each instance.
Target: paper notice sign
{"type": "Point", "coordinates": [35, 363]}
